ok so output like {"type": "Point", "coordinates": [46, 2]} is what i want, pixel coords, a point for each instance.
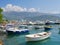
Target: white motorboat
{"type": "Point", "coordinates": [17, 31]}
{"type": "Point", "coordinates": [38, 36]}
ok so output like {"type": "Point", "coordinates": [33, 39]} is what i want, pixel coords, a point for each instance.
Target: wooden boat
{"type": "Point", "coordinates": [38, 36]}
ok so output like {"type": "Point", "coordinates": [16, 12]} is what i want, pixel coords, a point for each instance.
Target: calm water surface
{"type": "Point", "coordinates": [20, 39]}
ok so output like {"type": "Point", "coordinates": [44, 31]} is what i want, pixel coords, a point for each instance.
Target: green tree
{"type": "Point", "coordinates": [1, 10]}
{"type": "Point", "coordinates": [1, 15]}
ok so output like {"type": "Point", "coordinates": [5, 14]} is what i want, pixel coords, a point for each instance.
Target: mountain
{"type": "Point", "coordinates": [46, 17]}
{"type": "Point", "coordinates": [30, 16]}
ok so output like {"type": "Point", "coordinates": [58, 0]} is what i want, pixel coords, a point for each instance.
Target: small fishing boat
{"type": "Point", "coordinates": [49, 22]}
{"type": "Point", "coordinates": [48, 27]}
{"type": "Point", "coordinates": [38, 27]}
{"type": "Point", "coordinates": [38, 36]}
{"type": "Point", "coordinates": [17, 31]}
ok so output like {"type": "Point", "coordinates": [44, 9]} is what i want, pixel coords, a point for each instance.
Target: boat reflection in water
{"type": "Point", "coordinates": [59, 31]}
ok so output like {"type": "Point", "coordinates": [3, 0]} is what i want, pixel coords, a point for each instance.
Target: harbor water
{"type": "Point", "coordinates": [54, 39]}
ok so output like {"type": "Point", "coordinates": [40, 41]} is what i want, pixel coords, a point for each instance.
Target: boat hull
{"type": "Point", "coordinates": [17, 32]}
{"type": "Point", "coordinates": [37, 38]}
{"type": "Point", "coordinates": [47, 28]}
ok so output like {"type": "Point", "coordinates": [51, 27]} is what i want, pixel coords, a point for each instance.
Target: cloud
{"type": "Point", "coordinates": [10, 7]}
{"type": "Point", "coordinates": [32, 10]}
{"type": "Point", "coordinates": [53, 12]}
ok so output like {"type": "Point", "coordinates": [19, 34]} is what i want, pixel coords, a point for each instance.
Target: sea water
{"type": "Point", "coordinates": [54, 39]}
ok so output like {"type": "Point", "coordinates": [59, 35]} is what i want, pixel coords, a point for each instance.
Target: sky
{"type": "Point", "coordinates": [46, 6]}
